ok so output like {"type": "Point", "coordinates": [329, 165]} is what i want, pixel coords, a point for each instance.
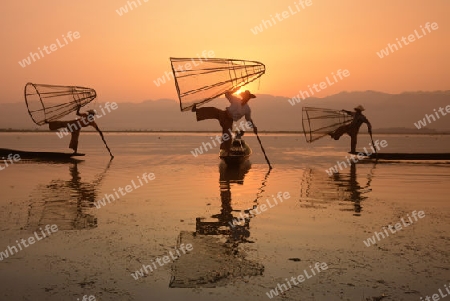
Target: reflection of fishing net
{"type": "Point", "coordinates": [47, 103]}
{"type": "Point", "coordinates": [201, 80]}
{"type": "Point", "coordinates": [318, 122]}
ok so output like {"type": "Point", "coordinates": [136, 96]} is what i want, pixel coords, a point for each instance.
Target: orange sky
{"type": "Point", "coordinates": [121, 56]}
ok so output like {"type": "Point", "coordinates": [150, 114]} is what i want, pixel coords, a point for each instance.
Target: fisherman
{"type": "Point", "coordinates": [352, 128]}
{"type": "Point", "coordinates": [238, 108]}
{"type": "Point", "coordinates": [74, 126]}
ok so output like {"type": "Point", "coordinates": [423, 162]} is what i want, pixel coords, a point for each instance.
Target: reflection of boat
{"type": "Point", "coordinates": [217, 258]}
{"type": "Point", "coordinates": [239, 151]}
{"type": "Point", "coordinates": [410, 156]}
{"type": "Point", "coordinates": [233, 173]}
{"type": "Point", "coordinates": [46, 156]}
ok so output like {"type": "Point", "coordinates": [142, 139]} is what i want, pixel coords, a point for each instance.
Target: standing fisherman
{"type": "Point", "coordinates": [352, 128]}
{"type": "Point", "coordinates": [238, 108]}
{"type": "Point", "coordinates": [74, 126]}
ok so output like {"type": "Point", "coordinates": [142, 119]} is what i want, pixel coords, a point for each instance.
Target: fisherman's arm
{"type": "Point", "coordinates": [348, 112]}
{"type": "Point", "coordinates": [229, 95]}
{"type": "Point", "coordinates": [369, 126]}
{"type": "Point", "coordinates": [78, 111]}
{"type": "Point", "coordinates": [231, 98]}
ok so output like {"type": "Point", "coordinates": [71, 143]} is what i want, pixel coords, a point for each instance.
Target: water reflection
{"type": "Point", "coordinates": [222, 223]}
{"type": "Point", "coordinates": [217, 258]}
{"type": "Point", "coordinates": [64, 202]}
{"type": "Point", "coordinates": [318, 190]}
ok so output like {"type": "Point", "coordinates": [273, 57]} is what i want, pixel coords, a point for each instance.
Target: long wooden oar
{"type": "Point", "coordinates": [373, 144]}
{"type": "Point", "coordinates": [262, 148]}
{"type": "Point", "coordinates": [103, 138]}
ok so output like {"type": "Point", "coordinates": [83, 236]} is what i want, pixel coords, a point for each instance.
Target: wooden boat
{"type": "Point", "coordinates": [30, 155]}
{"type": "Point", "coordinates": [239, 151]}
{"type": "Point", "coordinates": [409, 156]}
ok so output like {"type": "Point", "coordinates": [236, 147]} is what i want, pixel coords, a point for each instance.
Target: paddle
{"type": "Point", "coordinates": [262, 148]}
{"type": "Point", "coordinates": [96, 127]}
{"type": "Point", "coordinates": [103, 138]}
{"type": "Point", "coordinates": [374, 148]}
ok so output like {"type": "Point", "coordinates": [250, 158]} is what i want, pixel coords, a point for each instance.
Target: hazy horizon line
{"type": "Point", "coordinates": [407, 131]}
{"type": "Point", "coordinates": [341, 92]}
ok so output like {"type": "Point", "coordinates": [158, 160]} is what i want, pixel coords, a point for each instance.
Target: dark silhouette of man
{"type": "Point", "coordinates": [352, 128]}
{"type": "Point", "coordinates": [74, 126]}
{"type": "Point", "coordinates": [238, 108]}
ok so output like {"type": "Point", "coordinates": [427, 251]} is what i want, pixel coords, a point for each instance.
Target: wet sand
{"type": "Point", "coordinates": [192, 200]}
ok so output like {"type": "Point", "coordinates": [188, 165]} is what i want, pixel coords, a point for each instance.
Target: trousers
{"type": "Point", "coordinates": [225, 121]}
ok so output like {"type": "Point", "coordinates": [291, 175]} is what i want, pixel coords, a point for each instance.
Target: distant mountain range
{"type": "Point", "coordinates": [388, 113]}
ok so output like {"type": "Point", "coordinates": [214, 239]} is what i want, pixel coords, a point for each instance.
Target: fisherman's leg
{"type": "Point", "coordinates": [207, 113]}
{"type": "Point", "coordinates": [226, 122]}
{"type": "Point", "coordinates": [339, 132]}
{"type": "Point", "coordinates": [74, 140]}
{"type": "Point", "coordinates": [54, 125]}
{"type": "Point", "coordinates": [354, 139]}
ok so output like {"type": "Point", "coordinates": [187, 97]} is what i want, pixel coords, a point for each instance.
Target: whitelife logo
{"type": "Point", "coordinates": [49, 49]}
{"type": "Point", "coordinates": [11, 250]}
{"type": "Point", "coordinates": [259, 209]}
{"type": "Point", "coordinates": [124, 9]}
{"type": "Point", "coordinates": [161, 261]}
{"type": "Point", "coordinates": [129, 188]}
{"type": "Point", "coordinates": [265, 24]}
{"type": "Point", "coordinates": [243, 126]}
{"type": "Point", "coordinates": [8, 161]}
{"type": "Point", "coordinates": [398, 226]}
{"type": "Point", "coordinates": [187, 66]}
{"type": "Point", "coordinates": [341, 164]}
{"type": "Point", "coordinates": [73, 127]}
{"type": "Point", "coordinates": [430, 118]}
{"type": "Point", "coordinates": [341, 74]}
{"type": "Point", "coordinates": [411, 38]}
{"type": "Point", "coordinates": [281, 287]}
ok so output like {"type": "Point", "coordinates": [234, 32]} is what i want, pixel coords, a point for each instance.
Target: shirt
{"type": "Point", "coordinates": [358, 120]}
{"type": "Point", "coordinates": [236, 109]}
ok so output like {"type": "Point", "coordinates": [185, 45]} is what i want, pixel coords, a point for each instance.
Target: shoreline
{"type": "Point", "coordinates": [197, 132]}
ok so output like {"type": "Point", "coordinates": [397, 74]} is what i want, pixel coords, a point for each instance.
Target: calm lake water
{"type": "Point", "coordinates": [325, 219]}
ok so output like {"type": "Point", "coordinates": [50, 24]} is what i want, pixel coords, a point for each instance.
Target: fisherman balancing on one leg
{"type": "Point", "coordinates": [352, 128]}
{"type": "Point", "coordinates": [74, 127]}
{"type": "Point", "coordinates": [238, 108]}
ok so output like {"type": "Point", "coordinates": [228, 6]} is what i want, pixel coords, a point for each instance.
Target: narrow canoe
{"type": "Point", "coordinates": [239, 153]}
{"type": "Point", "coordinates": [410, 156]}
{"type": "Point", "coordinates": [5, 152]}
